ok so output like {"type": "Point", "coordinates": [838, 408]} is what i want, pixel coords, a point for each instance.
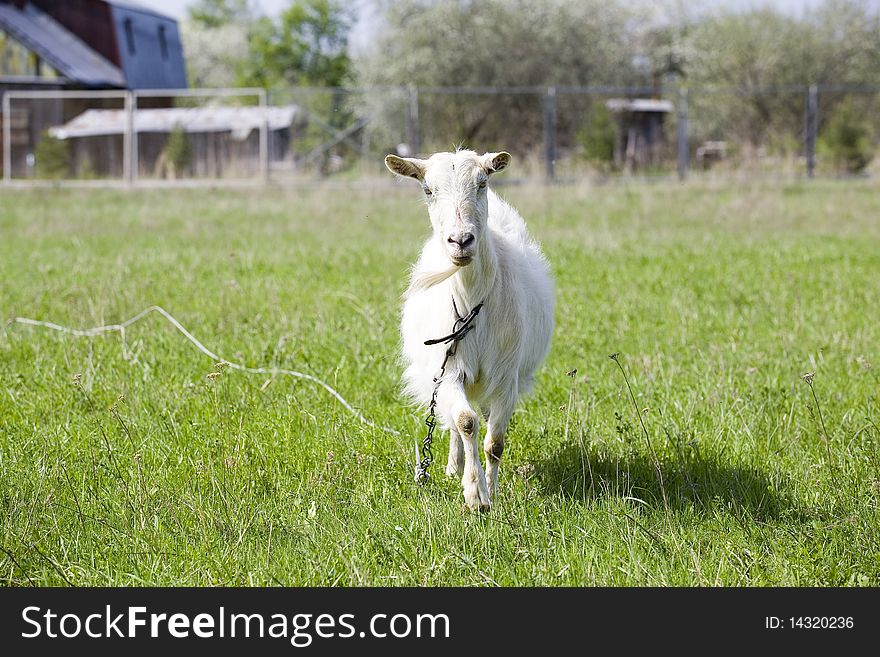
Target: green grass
{"type": "Point", "coordinates": [717, 298]}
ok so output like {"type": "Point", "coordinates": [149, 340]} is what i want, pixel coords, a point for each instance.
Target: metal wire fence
{"type": "Point", "coordinates": [557, 133]}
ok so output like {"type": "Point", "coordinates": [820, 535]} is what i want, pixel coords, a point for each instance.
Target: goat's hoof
{"type": "Point", "coordinates": [482, 507]}
{"type": "Point", "coordinates": [477, 502]}
{"type": "Point", "coordinates": [472, 499]}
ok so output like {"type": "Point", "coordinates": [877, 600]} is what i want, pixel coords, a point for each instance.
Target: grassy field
{"type": "Point", "coordinates": [131, 466]}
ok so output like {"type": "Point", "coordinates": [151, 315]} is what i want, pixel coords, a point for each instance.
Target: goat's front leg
{"type": "Point", "coordinates": [464, 420]}
{"type": "Point", "coordinates": [455, 462]}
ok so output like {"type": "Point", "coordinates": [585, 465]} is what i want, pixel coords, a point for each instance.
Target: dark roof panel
{"type": "Point", "coordinates": [58, 47]}
{"type": "Point", "coordinates": [150, 52]}
{"type": "Point", "coordinates": [137, 6]}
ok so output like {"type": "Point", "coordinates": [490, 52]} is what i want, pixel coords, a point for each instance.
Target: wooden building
{"type": "Point", "coordinates": [80, 45]}
{"type": "Point", "coordinates": [640, 135]}
{"type": "Point", "coordinates": [213, 142]}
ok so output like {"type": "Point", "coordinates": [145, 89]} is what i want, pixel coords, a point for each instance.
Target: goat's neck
{"type": "Point", "coordinates": [472, 284]}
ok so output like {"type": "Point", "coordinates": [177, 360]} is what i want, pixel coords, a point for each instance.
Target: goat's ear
{"type": "Point", "coordinates": [493, 162]}
{"type": "Point", "coordinates": [409, 167]}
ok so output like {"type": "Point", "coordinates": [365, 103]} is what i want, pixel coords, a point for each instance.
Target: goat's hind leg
{"type": "Point", "coordinates": [455, 462]}
{"type": "Point", "coordinates": [493, 445]}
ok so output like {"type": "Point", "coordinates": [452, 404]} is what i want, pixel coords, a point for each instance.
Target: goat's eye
{"type": "Point", "coordinates": [428, 191]}
{"type": "Point", "coordinates": [482, 184]}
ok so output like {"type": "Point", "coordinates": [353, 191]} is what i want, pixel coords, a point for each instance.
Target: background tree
{"type": "Point", "coordinates": [766, 59]}
{"type": "Point", "coordinates": [217, 13]}
{"type": "Point", "coordinates": [216, 41]}
{"type": "Point", "coordinates": [228, 43]}
{"type": "Point", "coordinates": [305, 46]}
{"type": "Point", "coordinates": [496, 43]}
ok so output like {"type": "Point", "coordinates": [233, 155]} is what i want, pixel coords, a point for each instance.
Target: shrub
{"type": "Point", "coordinates": [52, 157]}
{"type": "Point", "coordinates": [597, 138]}
{"type": "Point", "coordinates": [177, 152]}
{"type": "Point", "coordinates": [848, 138]}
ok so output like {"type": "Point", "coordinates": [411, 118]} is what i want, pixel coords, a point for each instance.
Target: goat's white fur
{"type": "Point", "coordinates": [500, 267]}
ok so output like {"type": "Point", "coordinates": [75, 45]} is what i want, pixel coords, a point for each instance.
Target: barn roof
{"type": "Point", "coordinates": [240, 121]}
{"type": "Point", "coordinates": [137, 6]}
{"type": "Point", "coordinates": [62, 50]}
{"type": "Point", "coordinates": [639, 105]}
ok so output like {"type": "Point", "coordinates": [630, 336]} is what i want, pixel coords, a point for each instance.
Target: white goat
{"type": "Point", "coordinates": [479, 253]}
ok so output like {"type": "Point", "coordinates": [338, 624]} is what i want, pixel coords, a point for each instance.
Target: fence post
{"type": "Point", "coordinates": [550, 132]}
{"type": "Point", "coordinates": [135, 152]}
{"type": "Point", "coordinates": [413, 136]}
{"type": "Point", "coordinates": [7, 138]}
{"type": "Point", "coordinates": [811, 128]}
{"type": "Point", "coordinates": [264, 137]}
{"type": "Point", "coordinates": [126, 137]}
{"type": "Point", "coordinates": [682, 134]}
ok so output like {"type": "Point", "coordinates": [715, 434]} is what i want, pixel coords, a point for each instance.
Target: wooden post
{"type": "Point", "coordinates": [811, 129]}
{"type": "Point", "coordinates": [127, 160]}
{"type": "Point", "coordinates": [264, 137]}
{"type": "Point", "coordinates": [682, 134]}
{"type": "Point", "coordinates": [135, 146]}
{"type": "Point", "coordinates": [550, 132]}
{"type": "Point", "coordinates": [7, 139]}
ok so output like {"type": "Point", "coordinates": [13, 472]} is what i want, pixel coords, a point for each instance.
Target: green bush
{"type": "Point", "coordinates": [597, 138]}
{"type": "Point", "coordinates": [177, 152]}
{"type": "Point", "coordinates": [52, 158]}
{"type": "Point", "coordinates": [848, 138]}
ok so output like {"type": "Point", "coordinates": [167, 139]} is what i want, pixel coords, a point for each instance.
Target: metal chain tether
{"type": "Point", "coordinates": [459, 329]}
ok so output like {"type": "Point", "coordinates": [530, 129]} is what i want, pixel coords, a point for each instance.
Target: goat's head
{"type": "Point", "coordinates": [455, 186]}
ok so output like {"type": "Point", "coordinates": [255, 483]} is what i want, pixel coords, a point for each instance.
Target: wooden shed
{"type": "Point", "coordinates": [54, 45]}
{"type": "Point", "coordinates": [640, 135]}
{"type": "Point", "coordinates": [217, 141]}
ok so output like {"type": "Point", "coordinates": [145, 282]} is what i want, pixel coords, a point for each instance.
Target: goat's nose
{"type": "Point", "coordinates": [462, 239]}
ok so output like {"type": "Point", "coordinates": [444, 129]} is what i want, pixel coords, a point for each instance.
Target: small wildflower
{"type": "Point", "coordinates": [562, 408]}
{"type": "Point", "coordinates": [213, 376]}
{"type": "Point", "coordinates": [808, 377]}
{"type": "Point", "coordinates": [77, 379]}
{"type": "Point", "coordinates": [646, 410]}
{"type": "Point", "coordinates": [614, 356]}
{"type": "Point", "coordinates": [137, 457]}
{"type": "Point", "coordinates": [572, 373]}
{"type": "Point", "coordinates": [221, 365]}
{"type": "Point", "coordinates": [230, 462]}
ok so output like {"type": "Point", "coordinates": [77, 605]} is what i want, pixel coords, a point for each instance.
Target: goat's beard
{"type": "Point", "coordinates": [422, 280]}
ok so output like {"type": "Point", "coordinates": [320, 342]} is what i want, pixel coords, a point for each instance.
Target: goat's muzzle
{"type": "Point", "coordinates": [460, 247]}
